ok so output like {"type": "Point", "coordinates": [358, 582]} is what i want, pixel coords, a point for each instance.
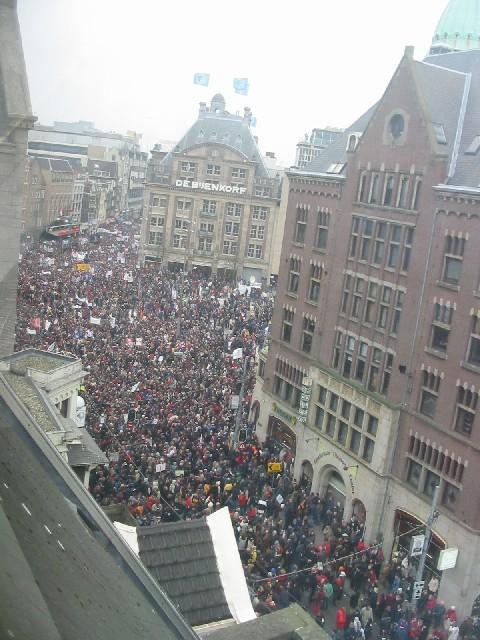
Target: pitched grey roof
{"type": "Point", "coordinates": [336, 152]}
{"type": "Point", "coordinates": [66, 573]}
{"type": "Point", "coordinates": [292, 623]}
{"type": "Point", "coordinates": [87, 453]}
{"type": "Point", "coordinates": [224, 129]}
{"type": "Point", "coordinates": [466, 167]}
{"type": "Point", "coordinates": [52, 164]}
{"type": "Point", "coordinates": [180, 555]}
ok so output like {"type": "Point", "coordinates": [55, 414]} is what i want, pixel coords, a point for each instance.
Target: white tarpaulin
{"type": "Point", "coordinates": [230, 566]}
{"type": "Point", "coordinates": [129, 534]}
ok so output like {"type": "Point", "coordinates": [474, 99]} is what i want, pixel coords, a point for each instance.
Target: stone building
{"type": "Point", "coordinates": [372, 373]}
{"type": "Point", "coordinates": [211, 203]}
{"type": "Point", "coordinates": [15, 120]}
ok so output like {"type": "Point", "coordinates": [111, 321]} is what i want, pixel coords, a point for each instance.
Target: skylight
{"type": "Point", "coordinates": [474, 147]}
{"type": "Point", "coordinates": [439, 133]}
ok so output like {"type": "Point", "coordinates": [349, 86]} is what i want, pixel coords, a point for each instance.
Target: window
{"type": "Point", "coordinates": [366, 239]}
{"type": "Point", "coordinates": [357, 298]}
{"type": "Point", "coordinates": [379, 249]}
{"type": "Point", "coordinates": [239, 173]}
{"type": "Point", "coordinates": [257, 232]}
{"type": "Point", "coordinates": [368, 447]}
{"type": "Point", "coordinates": [397, 311]}
{"type": "Point", "coordinates": [473, 356]}
{"type": "Point", "coordinates": [356, 225]}
{"type": "Point", "coordinates": [157, 200]}
{"type": "Point", "coordinates": [382, 317]}
{"type": "Point", "coordinates": [429, 393]}
{"type": "Point", "coordinates": [452, 261]}
{"type": "Point", "coordinates": [259, 213]}
{"type": "Point", "coordinates": [374, 188]}
{"type": "Point", "coordinates": [387, 373]}
{"type": "Point", "coordinates": [288, 317]}
{"type": "Point", "coordinates": [347, 286]}
{"type": "Point", "coordinates": [321, 234]}
{"type": "Point", "coordinates": [450, 495]}
{"type": "Point", "coordinates": [258, 251]}
{"type": "Point", "coordinates": [234, 209]}
{"type": "Point", "coordinates": [155, 237]}
{"type": "Point", "coordinates": [373, 376]}
{"type": "Point", "coordinates": [261, 368]}
{"type": "Point", "coordinates": [188, 167]}
{"type": "Point", "coordinates": [333, 404]}
{"type": "Point", "coordinates": [263, 192]}
{"type": "Point", "coordinates": [213, 170]}
{"type": "Point", "coordinates": [207, 227]}
{"type": "Point", "coordinates": [362, 188]}
{"type": "Point", "coordinates": [322, 395]}
{"type": "Point", "coordinates": [314, 284]}
{"type": "Point", "coordinates": [394, 246]}
{"type": "Point", "coordinates": [301, 225]}
{"type": "Point", "coordinates": [403, 192]}
{"type": "Point", "coordinates": [407, 248]}
{"type": "Point", "coordinates": [307, 336]}
{"type": "Point", "coordinates": [294, 275]}
{"type": "Point", "coordinates": [431, 481]}
{"type": "Point", "coordinates": [355, 439]}
{"type": "Point", "coordinates": [342, 432]}
{"type": "Point", "coordinates": [358, 417]}
{"type": "Point", "coordinates": [372, 425]}
{"type": "Point", "coordinates": [319, 414]}
{"type": "Point", "coordinates": [361, 361]}
{"type": "Point", "coordinates": [439, 338]}
{"type": "Point", "coordinates": [209, 206]}
{"type": "Point", "coordinates": [232, 228]}
{"type": "Point", "coordinates": [184, 205]}
{"type": "Point", "coordinates": [417, 190]}
{"type": "Point", "coordinates": [181, 224]}
{"type": "Point", "coordinates": [414, 472]}
{"type": "Point", "coordinates": [346, 407]}
{"type": "Point", "coordinates": [467, 401]}
{"type": "Point", "coordinates": [330, 425]}
{"type": "Point", "coordinates": [179, 241]}
{"type": "Point", "coordinates": [388, 195]}
{"type": "Point", "coordinates": [205, 243]}
{"type": "Point", "coordinates": [157, 221]}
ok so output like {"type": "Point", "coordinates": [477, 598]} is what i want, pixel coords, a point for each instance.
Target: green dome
{"type": "Point", "coordinates": [459, 26]}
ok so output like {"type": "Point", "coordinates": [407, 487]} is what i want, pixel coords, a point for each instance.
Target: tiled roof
{"type": "Point", "coordinates": [86, 453]}
{"type": "Point", "coordinates": [180, 555]}
{"type": "Point", "coordinates": [292, 623]}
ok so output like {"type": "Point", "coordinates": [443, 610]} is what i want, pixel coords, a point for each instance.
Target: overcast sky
{"type": "Point", "coordinates": [129, 64]}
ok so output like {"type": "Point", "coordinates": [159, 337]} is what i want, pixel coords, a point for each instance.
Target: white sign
{"type": "Point", "coordinates": [416, 545]}
{"type": "Point", "coordinates": [447, 558]}
{"type": "Point", "coordinates": [206, 186]}
{"type": "Point", "coordinates": [417, 589]}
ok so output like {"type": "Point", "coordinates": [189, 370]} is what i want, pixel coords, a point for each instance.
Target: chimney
{"type": "Point", "coordinates": [409, 51]}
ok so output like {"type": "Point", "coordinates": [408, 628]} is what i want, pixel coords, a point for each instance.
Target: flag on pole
{"type": "Point", "coordinates": [241, 86]}
{"type": "Point", "coordinates": [201, 78]}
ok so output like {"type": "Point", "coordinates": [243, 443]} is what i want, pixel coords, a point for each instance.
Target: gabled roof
{"type": "Point", "coordinates": [67, 572]}
{"type": "Point", "coordinates": [336, 152]}
{"type": "Point", "coordinates": [181, 557]}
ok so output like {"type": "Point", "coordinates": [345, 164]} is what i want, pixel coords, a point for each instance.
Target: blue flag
{"type": "Point", "coordinates": [241, 86]}
{"type": "Point", "coordinates": [201, 78]}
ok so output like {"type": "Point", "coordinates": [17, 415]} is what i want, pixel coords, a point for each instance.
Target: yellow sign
{"type": "Point", "coordinates": [82, 266]}
{"type": "Point", "coordinates": [274, 467]}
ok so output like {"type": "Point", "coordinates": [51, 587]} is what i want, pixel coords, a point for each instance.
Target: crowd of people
{"type": "Point", "coordinates": [165, 354]}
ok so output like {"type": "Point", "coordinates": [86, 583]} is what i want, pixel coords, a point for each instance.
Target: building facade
{"type": "Point", "coordinates": [370, 380]}
{"type": "Point", "coordinates": [211, 203]}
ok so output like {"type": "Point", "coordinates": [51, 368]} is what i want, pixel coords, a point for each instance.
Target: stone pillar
{"type": "Point", "coordinates": [15, 121]}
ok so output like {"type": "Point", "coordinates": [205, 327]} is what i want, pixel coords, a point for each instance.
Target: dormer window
{"type": "Point", "coordinates": [352, 143]}
{"type": "Point", "coordinates": [439, 133]}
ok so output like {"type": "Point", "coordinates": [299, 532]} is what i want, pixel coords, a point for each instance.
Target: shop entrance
{"type": "Point", "coordinates": [306, 476]}
{"type": "Point", "coordinates": [281, 435]}
{"type": "Point", "coordinates": [335, 488]}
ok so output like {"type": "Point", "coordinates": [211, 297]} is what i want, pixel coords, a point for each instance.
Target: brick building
{"type": "Point", "coordinates": [372, 373]}
{"type": "Point", "coordinates": [212, 203]}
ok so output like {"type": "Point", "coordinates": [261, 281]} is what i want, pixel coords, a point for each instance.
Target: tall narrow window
{"type": "Point", "coordinates": [453, 258]}
{"type": "Point", "coordinates": [294, 275]}
{"type": "Point", "coordinates": [429, 393]}
{"type": "Point", "coordinates": [374, 188]}
{"type": "Point", "coordinates": [321, 234]}
{"type": "Point", "coordinates": [301, 225]}
{"type": "Point", "coordinates": [403, 192]}
{"type": "Point", "coordinates": [288, 317]}
{"type": "Point", "coordinates": [389, 186]}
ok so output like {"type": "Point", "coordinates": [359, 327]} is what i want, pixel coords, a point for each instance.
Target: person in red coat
{"type": "Point", "coordinates": [340, 619]}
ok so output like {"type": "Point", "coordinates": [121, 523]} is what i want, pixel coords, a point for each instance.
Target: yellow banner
{"type": "Point", "coordinates": [81, 266]}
